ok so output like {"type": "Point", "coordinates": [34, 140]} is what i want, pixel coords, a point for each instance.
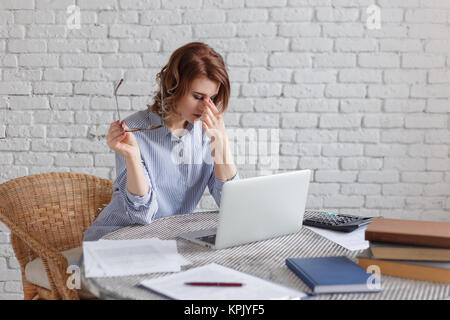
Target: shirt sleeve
{"type": "Point", "coordinates": [140, 209]}
{"type": "Point", "coordinates": [215, 186]}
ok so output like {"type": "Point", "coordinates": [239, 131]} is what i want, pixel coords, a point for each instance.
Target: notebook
{"type": "Point", "coordinates": [253, 288]}
{"type": "Point", "coordinates": [331, 274]}
{"type": "Point", "coordinates": [414, 232]}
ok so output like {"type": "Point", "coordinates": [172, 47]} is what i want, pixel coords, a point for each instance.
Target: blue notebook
{"type": "Point", "coordinates": [331, 274]}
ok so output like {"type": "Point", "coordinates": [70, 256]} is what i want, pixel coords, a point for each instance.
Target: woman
{"type": "Point", "coordinates": [165, 171]}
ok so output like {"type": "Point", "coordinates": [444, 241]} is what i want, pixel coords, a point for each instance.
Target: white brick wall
{"type": "Point", "coordinates": [366, 110]}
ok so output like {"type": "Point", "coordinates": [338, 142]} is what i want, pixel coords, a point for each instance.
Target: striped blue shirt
{"type": "Point", "coordinates": [177, 169]}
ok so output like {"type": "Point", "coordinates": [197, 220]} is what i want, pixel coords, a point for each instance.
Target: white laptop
{"type": "Point", "coordinates": [256, 209]}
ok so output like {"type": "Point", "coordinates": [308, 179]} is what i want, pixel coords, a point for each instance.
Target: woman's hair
{"type": "Point", "coordinates": [188, 62]}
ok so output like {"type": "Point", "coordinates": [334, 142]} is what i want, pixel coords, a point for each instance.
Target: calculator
{"type": "Point", "coordinates": [334, 221]}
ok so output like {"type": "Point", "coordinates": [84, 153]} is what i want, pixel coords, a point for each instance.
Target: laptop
{"type": "Point", "coordinates": [256, 209]}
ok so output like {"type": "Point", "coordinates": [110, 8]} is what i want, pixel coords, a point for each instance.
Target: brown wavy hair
{"type": "Point", "coordinates": [188, 62]}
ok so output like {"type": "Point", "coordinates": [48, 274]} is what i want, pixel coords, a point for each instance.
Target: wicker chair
{"type": "Point", "coordinates": [46, 214]}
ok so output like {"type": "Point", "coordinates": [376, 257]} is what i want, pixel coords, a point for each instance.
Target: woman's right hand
{"type": "Point", "coordinates": [122, 142]}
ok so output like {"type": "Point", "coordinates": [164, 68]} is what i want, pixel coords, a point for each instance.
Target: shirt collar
{"type": "Point", "coordinates": [155, 120]}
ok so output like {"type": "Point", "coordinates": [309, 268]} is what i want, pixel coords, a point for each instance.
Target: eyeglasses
{"type": "Point", "coordinates": [138, 129]}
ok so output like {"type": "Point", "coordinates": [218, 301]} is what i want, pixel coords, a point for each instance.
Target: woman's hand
{"type": "Point", "coordinates": [122, 142]}
{"type": "Point", "coordinates": [214, 126]}
{"type": "Point", "coordinates": [213, 123]}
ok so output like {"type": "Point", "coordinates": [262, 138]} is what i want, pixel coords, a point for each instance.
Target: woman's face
{"type": "Point", "coordinates": [191, 105]}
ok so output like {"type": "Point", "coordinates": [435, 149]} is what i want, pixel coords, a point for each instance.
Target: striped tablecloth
{"type": "Point", "coordinates": [265, 259]}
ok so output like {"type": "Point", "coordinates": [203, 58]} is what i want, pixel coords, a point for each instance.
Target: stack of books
{"type": "Point", "coordinates": [411, 249]}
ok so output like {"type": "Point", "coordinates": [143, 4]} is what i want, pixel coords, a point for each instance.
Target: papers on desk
{"type": "Point", "coordinates": [349, 240]}
{"type": "Point", "coordinates": [109, 258]}
{"type": "Point", "coordinates": [254, 288]}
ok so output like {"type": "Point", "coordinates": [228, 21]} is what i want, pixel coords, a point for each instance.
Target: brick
{"type": "Point", "coordinates": [304, 91]}
{"type": "Point", "coordinates": [384, 176]}
{"type": "Point", "coordinates": [340, 121]}
{"type": "Point", "coordinates": [28, 102]}
{"type": "Point", "coordinates": [66, 131]}
{"type": "Point", "coordinates": [67, 45]}
{"type": "Point", "coordinates": [385, 202]}
{"type": "Point", "coordinates": [291, 14]}
{"type": "Point", "coordinates": [99, 88]}
{"type": "Point", "coordinates": [261, 90]}
{"type": "Point", "coordinates": [29, 45]}
{"type": "Point", "coordinates": [292, 59]}
{"type": "Point", "coordinates": [436, 189]}
{"type": "Point", "coordinates": [360, 135]}
{"type": "Point", "coordinates": [427, 150]}
{"type": "Point", "coordinates": [312, 44]}
{"type": "Point", "coordinates": [343, 30]}
{"type": "Point", "coordinates": [296, 120]}
{"type": "Point", "coordinates": [402, 136]}
{"type": "Point", "coordinates": [383, 121]}
{"type": "Point", "coordinates": [319, 163]}
{"type": "Point", "coordinates": [15, 87]}
{"type": "Point", "coordinates": [299, 149]}
{"type": "Point", "coordinates": [380, 60]}
{"type": "Point", "coordinates": [66, 74]}
{"type": "Point", "coordinates": [426, 16]}
{"type": "Point", "coordinates": [404, 105]}
{"type": "Point", "coordinates": [388, 91]}
{"type": "Point", "coordinates": [403, 45]}
{"type": "Point", "coordinates": [385, 150]}
{"type": "Point", "coordinates": [438, 105]}
{"type": "Point", "coordinates": [129, 31]}
{"type": "Point", "coordinates": [438, 164]}
{"type": "Point", "coordinates": [345, 90]}
{"type": "Point", "coordinates": [246, 60]}
{"type": "Point", "coordinates": [272, 105]}
{"type": "Point", "coordinates": [360, 163]}
{"type": "Point", "coordinates": [335, 176]}
{"type": "Point", "coordinates": [260, 120]}
{"type": "Point", "coordinates": [16, 4]}
{"type": "Point", "coordinates": [317, 105]}
{"type": "Point", "coordinates": [20, 131]}
{"type": "Point", "coordinates": [422, 177]}
{"type": "Point", "coordinates": [204, 16]}
{"type": "Point", "coordinates": [266, 44]}
{"type": "Point", "coordinates": [360, 105]}
{"type": "Point", "coordinates": [52, 87]}
{"type": "Point", "coordinates": [315, 76]}
{"type": "Point", "coordinates": [38, 60]}
{"type": "Point", "coordinates": [422, 61]}
{"type": "Point", "coordinates": [404, 164]}
{"type": "Point", "coordinates": [352, 45]}
{"type": "Point", "coordinates": [50, 145]}
{"type": "Point", "coordinates": [342, 150]}
{"type": "Point", "coordinates": [139, 45]}
{"type": "Point", "coordinates": [80, 60]}
{"type": "Point", "coordinates": [430, 91]}
{"type": "Point", "coordinates": [77, 160]}
{"type": "Point", "coordinates": [270, 75]}
{"type": "Point", "coordinates": [333, 60]}
{"type": "Point", "coordinates": [122, 60]}
{"type": "Point", "coordinates": [425, 121]}
{"type": "Point", "coordinates": [344, 201]}
{"type": "Point", "coordinates": [405, 76]}
{"type": "Point", "coordinates": [296, 30]}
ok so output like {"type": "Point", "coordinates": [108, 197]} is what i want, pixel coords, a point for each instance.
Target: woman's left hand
{"type": "Point", "coordinates": [213, 123]}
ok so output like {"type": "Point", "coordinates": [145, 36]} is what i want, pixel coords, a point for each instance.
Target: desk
{"type": "Point", "coordinates": [265, 259]}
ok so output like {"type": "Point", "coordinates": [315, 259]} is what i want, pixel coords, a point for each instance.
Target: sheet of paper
{"type": "Point", "coordinates": [131, 257]}
{"type": "Point", "coordinates": [254, 288]}
{"type": "Point", "coordinates": [351, 241]}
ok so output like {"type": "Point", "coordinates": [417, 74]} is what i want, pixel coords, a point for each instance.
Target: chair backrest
{"type": "Point", "coordinates": [55, 207]}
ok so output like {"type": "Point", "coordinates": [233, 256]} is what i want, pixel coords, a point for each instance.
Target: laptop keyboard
{"type": "Point", "coordinates": [209, 239]}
